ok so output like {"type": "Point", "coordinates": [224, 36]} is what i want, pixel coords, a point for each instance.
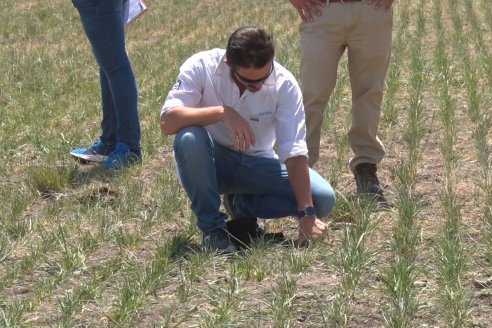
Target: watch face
{"type": "Point", "coordinates": [310, 211]}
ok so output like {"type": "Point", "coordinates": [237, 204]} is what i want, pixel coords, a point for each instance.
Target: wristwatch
{"type": "Point", "coordinates": [309, 211]}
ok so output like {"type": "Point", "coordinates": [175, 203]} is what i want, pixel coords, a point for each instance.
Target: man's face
{"type": "Point", "coordinates": [252, 78]}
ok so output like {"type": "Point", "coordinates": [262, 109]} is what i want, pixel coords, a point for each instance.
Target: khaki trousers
{"type": "Point", "coordinates": [366, 33]}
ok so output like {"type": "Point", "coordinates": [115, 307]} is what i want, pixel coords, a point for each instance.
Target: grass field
{"type": "Point", "coordinates": [80, 248]}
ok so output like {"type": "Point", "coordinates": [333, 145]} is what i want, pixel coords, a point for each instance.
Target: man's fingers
{"type": "Point", "coordinates": [318, 231]}
{"type": "Point", "coordinates": [321, 225]}
{"type": "Point", "coordinates": [240, 142]}
{"type": "Point", "coordinates": [315, 232]}
{"type": "Point", "coordinates": [301, 13]}
{"type": "Point", "coordinates": [307, 9]}
{"type": "Point", "coordinates": [316, 228]}
{"type": "Point", "coordinates": [246, 138]}
{"type": "Point", "coordinates": [235, 139]}
{"type": "Point", "coordinates": [304, 237]}
{"type": "Point", "coordinates": [251, 136]}
{"type": "Point", "coordinates": [243, 139]}
{"type": "Point", "coordinates": [246, 142]}
{"type": "Point", "coordinates": [307, 14]}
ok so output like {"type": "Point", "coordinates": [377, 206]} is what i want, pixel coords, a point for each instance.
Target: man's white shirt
{"type": "Point", "coordinates": [275, 112]}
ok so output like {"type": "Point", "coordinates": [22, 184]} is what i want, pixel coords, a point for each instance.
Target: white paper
{"type": "Point", "coordinates": [134, 9]}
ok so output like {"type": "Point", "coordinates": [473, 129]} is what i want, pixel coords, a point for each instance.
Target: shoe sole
{"type": "Point", "coordinates": [120, 165]}
{"type": "Point", "coordinates": [230, 249]}
{"type": "Point", "coordinates": [84, 158]}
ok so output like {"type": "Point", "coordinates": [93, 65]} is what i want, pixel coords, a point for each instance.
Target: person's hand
{"type": "Point", "coordinates": [308, 8]}
{"type": "Point", "coordinates": [386, 4]}
{"type": "Point", "coordinates": [239, 129]}
{"type": "Point", "coordinates": [310, 228]}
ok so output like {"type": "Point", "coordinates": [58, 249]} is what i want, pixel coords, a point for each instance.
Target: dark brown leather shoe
{"type": "Point", "coordinates": [367, 182]}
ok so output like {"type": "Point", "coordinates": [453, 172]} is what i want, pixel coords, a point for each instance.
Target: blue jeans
{"type": "Point", "coordinates": [104, 25]}
{"type": "Point", "coordinates": [261, 185]}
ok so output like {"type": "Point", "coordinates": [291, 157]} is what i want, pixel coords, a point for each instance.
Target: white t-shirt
{"type": "Point", "coordinates": [275, 112]}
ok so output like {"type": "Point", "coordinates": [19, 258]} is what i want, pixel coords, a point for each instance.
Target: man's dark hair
{"type": "Point", "coordinates": [250, 47]}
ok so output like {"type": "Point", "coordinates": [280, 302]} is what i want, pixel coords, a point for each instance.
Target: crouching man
{"type": "Point", "coordinates": [228, 109]}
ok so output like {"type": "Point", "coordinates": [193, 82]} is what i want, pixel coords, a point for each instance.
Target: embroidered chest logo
{"type": "Point", "coordinates": [177, 85]}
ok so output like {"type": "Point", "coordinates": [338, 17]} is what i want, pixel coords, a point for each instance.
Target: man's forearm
{"type": "Point", "coordinates": [298, 170]}
{"type": "Point", "coordinates": [181, 117]}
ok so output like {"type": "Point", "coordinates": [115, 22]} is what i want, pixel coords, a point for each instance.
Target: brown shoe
{"type": "Point", "coordinates": [368, 184]}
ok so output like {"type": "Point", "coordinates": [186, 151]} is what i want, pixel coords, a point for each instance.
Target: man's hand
{"type": "Point", "coordinates": [308, 8]}
{"type": "Point", "coordinates": [310, 228]}
{"type": "Point", "coordinates": [241, 132]}
{"type": "Point", "coordinates": [386, 4]}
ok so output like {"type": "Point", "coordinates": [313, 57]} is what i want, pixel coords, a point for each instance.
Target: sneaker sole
{"type": "Point", "coordinates": [89, 158]}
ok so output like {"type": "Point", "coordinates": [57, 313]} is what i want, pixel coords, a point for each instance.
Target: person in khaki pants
{"type": "Point", "coordinates": [364, 28]}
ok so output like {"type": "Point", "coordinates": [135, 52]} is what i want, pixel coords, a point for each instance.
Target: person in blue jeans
{"type": "Point", "coordinates": [228, 108]}
{"type": "Point", "coordinates": [119, 143]}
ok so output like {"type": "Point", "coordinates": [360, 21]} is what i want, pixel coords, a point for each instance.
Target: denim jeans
{"type": "Point", "coordinates": [104, 25]}
{"type": "Point", "coordinates": [261, 185]}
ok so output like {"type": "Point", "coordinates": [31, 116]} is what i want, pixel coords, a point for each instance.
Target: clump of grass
{"type": "Point", "coordinates": [11, 315]}
{"type": "Point", "coordinates": [399, 277]}
{"type": "Point", "coordinates": [144, 281]}
{"type": "Point", "coordinates": [128, 303]}
{"type": "Point", "coordinates": [48, 180]}
{"type": "Point", "coordinates": [225, 300]}
{"type": "Point", "coordinates": [488, 236]}
{"type": "Point", "coordinates": [183, 291]}
{"type": "Point", "coordinates": [16, 198]}
{"type": "Point", "coordinates": [251, 266]}
{"type": "Point", "coordinates": [354, 256]}
{"type": "Point", "coordinates": [451, 262]}
{"type": "Point", "coordinates": [28, 262]}
{"type": "Point", "coordinates": [171, 320]}
{"type": "Point", "coordinates": [341, 311]}
{"type": "Point", "coordinates": [70, 304]}
{"type": "Point", "coordinates": [406, 233]}
{"type": "Point", "coordinates": [403, 304]}
{"type": "Point", "coordinates": [352, 259]}
{"type": "Point", "coordinates": [283, 301]}
{"type": "Point", "coordinates": [6, 247]}
{"type": "Point", "coordinates": [298, 259]}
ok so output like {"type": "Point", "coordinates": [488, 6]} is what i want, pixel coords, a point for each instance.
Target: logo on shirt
{"type": "Point", "coordinates": [177, 85]}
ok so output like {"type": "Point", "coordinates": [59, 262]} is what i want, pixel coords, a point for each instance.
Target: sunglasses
{"type": "Point", "coordinates": [252, 82]}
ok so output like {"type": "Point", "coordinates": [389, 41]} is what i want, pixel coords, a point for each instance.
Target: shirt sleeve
{"type": "Point", "coordinates": [188, 88]}
{"type": "Point", "coordinates": [290, 127]}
